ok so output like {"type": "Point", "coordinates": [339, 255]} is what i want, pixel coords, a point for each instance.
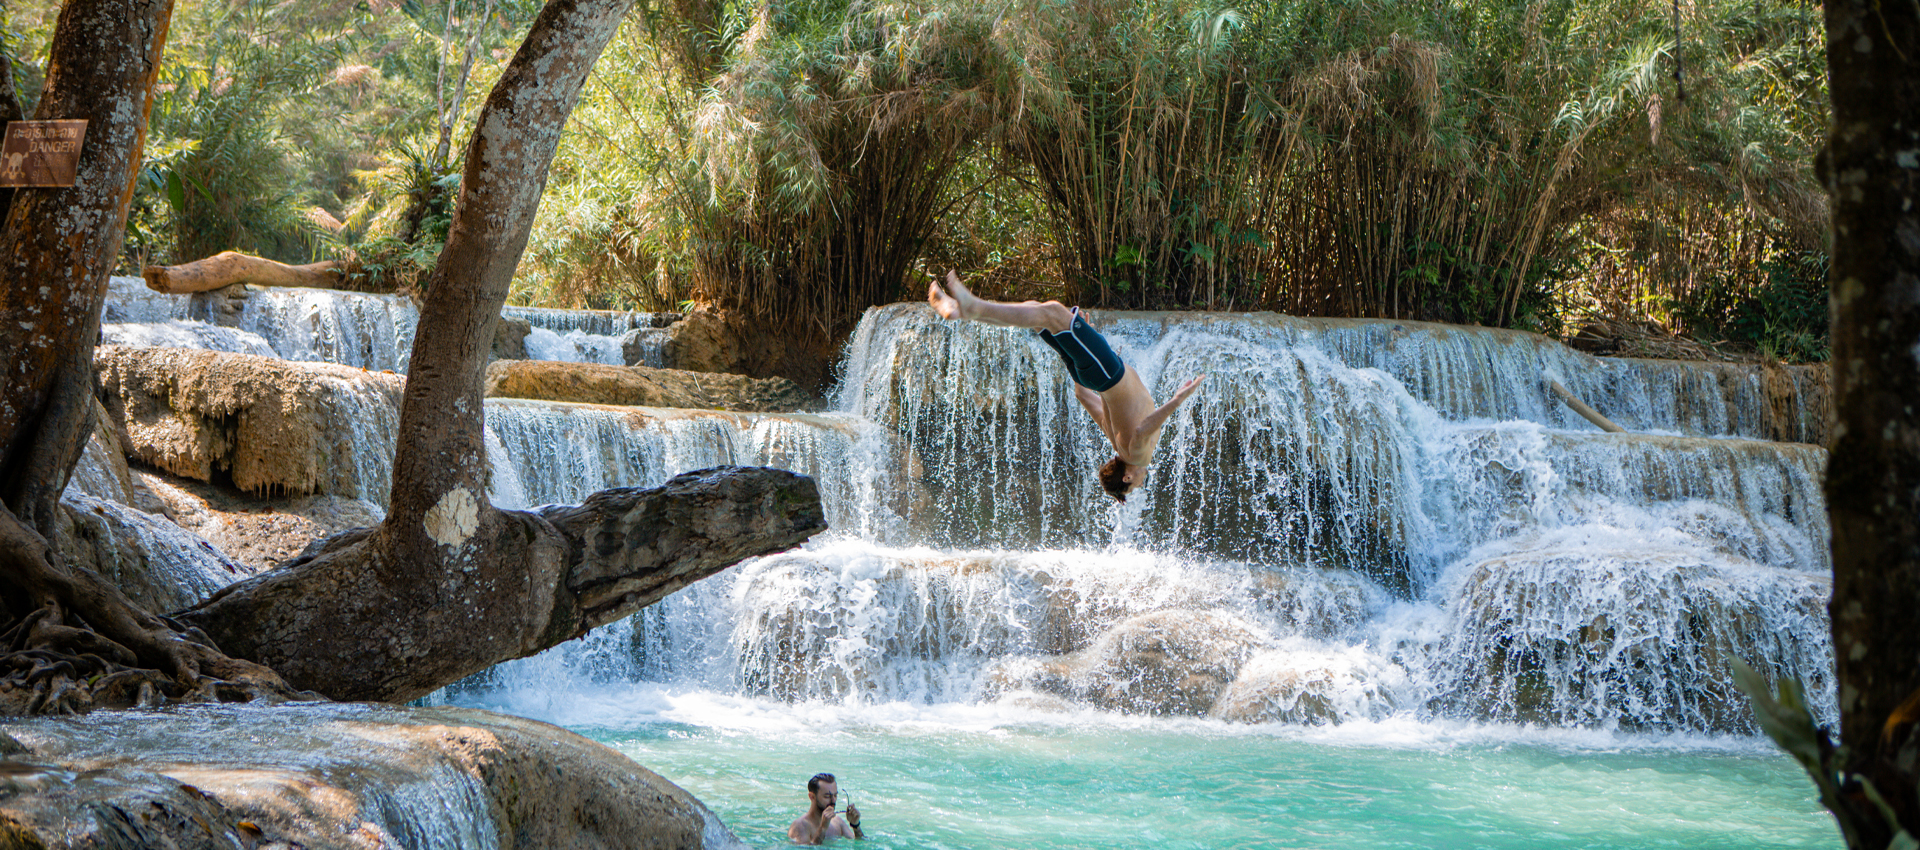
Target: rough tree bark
{"type": "Point", "coordinates": [448, 585]}
{"type": "Point", "coordinates": [1873, 479]}
{"type": "Point", "coordinates": [72, 640]}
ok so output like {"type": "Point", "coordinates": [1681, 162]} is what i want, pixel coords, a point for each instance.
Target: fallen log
{"type": "Point", "coordinates": [1581, 408]}
{"type": "Point", "coordinates": [230, 267]}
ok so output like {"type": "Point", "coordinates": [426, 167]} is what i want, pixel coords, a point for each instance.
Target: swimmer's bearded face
{"type": "Point", "coordinates": [826, 796]}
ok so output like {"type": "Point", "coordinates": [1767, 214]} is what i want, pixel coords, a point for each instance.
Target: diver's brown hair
{"type": "Point", "coordinates": [1113, 478]}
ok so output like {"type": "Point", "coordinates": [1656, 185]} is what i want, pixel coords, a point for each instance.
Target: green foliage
{"type": "Point", "coordinates": [1506, 164]}
{"type": "Point", "coordinates": [1783, 316]}
{"type": "Point", "coordinates": [291, 130]}
{"type": "Point", "coordinates": [827, 149]}
{"type": "Point", "coordinates": [392, 234]}
{"type": "Point", "coordinates": [611, 231]}
{"type": "Point", "coordinates": [26, 27]}
{"type": "Point", "coordinates": [1328, 157]}
{"type": "Point", "coordinates": [1495, 163]}
{"type": "Point", "coordinates": [996, 230]}
{"type": "Point", "coordinates": [225, 175]}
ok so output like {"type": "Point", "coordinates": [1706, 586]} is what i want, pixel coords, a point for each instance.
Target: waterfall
{"type": "Point", "coordinates": [315, 325]}
{"type": "Point", "coordinates": [1359, 520]}
{"type": "Point", "coordinates": [1598, 629]}
{"type": "Point", "coordinates": [1291, 455]}
{"type": "Point", "coordinates": [356, 329]}
{"type": "Point", "coordinates": [185, 333]}
{"type": "Point", "coordinates": [1352, 520]}
{"type": "Point", "coordinates": [129, 300]}
{"type": "Point", "coordinates": [349, 328]}
{"type": "Point", "coordinates": [594, 336]}
{"type": "Point", "coordinates": [153, 561]}
{"type": "Point", "coordinates": [559, 453]}
{"type": "Point", "coordinates": [595, 322]}
{"type": "Point", "coordinates": [574, 347]}
{"type": "Point", "coordinates": [388, 788]}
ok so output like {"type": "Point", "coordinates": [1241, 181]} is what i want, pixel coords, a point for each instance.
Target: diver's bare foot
{"type": "Point", "coordinates": [943, 304]}
{"type": "Point", "coordinates": [949, 303]}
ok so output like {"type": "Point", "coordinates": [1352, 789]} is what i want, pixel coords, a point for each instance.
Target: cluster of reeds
{"type": "Point", "coordinates": [1337, 158]}
{"type": "Point", "coordinates": [828, 151]}
{"type": "Point", "coordinates": [1464, 162]}
{"type": "Point", "coordinates": [1523, 164]}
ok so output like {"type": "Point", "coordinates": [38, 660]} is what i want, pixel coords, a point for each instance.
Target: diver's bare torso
{"type": "Point", "coordinates": [1120, 412]}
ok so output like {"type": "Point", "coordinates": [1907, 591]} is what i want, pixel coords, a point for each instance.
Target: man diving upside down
{"type": "Point", "coordinates": [1110, 390]}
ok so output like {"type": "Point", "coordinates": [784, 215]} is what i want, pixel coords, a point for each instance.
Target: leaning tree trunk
{"type": "Point", "coordinates": [71, 639]}
{"type": "Point", "coordinates": [58, 246]}
{"type": "Point", "coordinates": [1873, 479]}
{"type": "Point", "coordinates": [448, 585]}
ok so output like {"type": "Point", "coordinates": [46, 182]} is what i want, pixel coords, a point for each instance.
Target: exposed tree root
{"type": "Point", "coordinates": [79, 644]}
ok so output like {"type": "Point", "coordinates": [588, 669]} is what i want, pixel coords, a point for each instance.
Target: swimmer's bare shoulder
{"type": "Point", "coordinates": [801, 832]}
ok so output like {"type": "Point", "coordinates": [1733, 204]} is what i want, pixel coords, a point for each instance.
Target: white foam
{"type": "Point", "coordinates": [185, 333]}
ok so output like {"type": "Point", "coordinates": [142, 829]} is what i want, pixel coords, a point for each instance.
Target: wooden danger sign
{"type": "Point", "coordinates": [41, 153]}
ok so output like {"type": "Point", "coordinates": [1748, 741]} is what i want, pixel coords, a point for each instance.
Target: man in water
{"type": "Point", "coordinates": [821, 822]}
{"type": "Point", "coordinates": [1110, 390]}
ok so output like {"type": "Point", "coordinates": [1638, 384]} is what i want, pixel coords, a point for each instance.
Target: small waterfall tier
{"type": "Point", "coordinates": [348, 328]}
{"type": "Point", "coordinates": [596, 322]}
{"type": "Point", "coordinates": [559, 453]}
{"type": "Point", "coordinates": [595, 336]}
{"type": "Point", "coordinates": [335, 775]}
{"type": "Point", "coordinates": [315, 325]}
{"type": "Point", "coordinates": [185, 333]}
{"type": "Point", "coordinates": [356, 329]}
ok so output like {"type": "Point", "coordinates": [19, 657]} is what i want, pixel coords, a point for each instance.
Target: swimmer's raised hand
{"type": "Point", "coordinates": [1187, 388]}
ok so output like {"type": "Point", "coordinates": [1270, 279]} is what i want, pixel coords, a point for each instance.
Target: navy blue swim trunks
{"type": "Point", "coordinates": [1090, 360]}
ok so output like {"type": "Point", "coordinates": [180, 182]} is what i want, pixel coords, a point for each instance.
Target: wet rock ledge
{"type": "Point", "coordinates": [331, 775]}
{"type": "Point", "coordinates": [593, 383]}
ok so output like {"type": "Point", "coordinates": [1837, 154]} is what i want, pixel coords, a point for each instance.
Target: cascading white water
{"type": "Point", "coordinates": [1484, 554]}
{"type": "Point", "coordinates": [574, 347]}
{"type": "Point", "coordinates": [378, 779]}
{"type": "Point", "coordinates": [1484, 373]}
{"type": "Point", "coordinates": [130, 300]}
{"type": "Point", "coordinates": [592, 336]}
{"type": "Point", "coordinates": [559, 453]}
{"type": "Point", "coordinates": [1599, 627]}
{"type": "Point", "coordinates": [176, 568]}
{"type": "Point", "coordinates": [1386, 519]}
{"type": "Point", "coordinates": [356, 329]}
{"type": "Point", "coordinates": [349, 328]}
{"type": "Point", "coordinates": [185, 333]}
{"type": "Point", "coordinates": [315, 325]}
{"type": "Point", "coordinates": [596, 322]}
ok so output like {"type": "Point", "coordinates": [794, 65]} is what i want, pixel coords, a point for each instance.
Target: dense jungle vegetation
{"type": "Point", "coordinates": [1614, 168]}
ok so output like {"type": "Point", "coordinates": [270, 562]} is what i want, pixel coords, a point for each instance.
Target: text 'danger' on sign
{"type": "Point", "coordinates": [41, 153]}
